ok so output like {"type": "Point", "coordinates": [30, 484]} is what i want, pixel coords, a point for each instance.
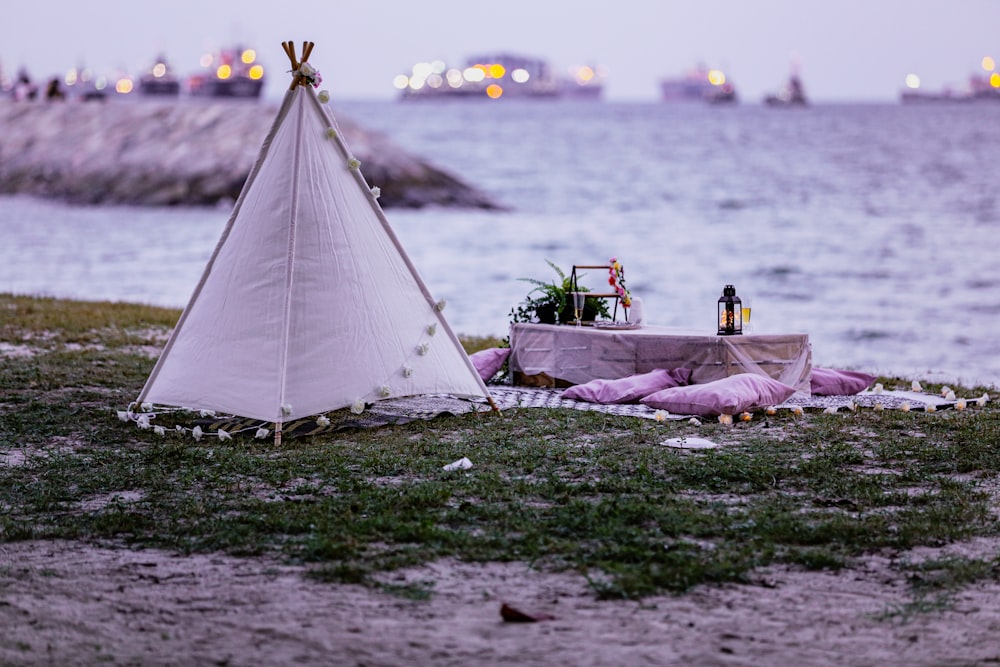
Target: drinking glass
{"type": "Point", "coordinates": [747, 304]}
{"type": "Point", "coordinates": [578, 300]}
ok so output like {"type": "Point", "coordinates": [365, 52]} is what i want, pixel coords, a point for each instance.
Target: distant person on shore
{"type": "Point", "coordinates": [54, 91]}
{"type": "Point", "coordinates": [24, 89]}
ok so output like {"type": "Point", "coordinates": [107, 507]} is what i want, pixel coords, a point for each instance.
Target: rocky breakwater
{"type": "Point", "coordinates": [188, 153]}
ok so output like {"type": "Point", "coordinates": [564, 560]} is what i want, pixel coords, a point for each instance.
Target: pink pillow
{"type": "Point", "coordinates": [829, 382]}
{"type": "Point", "coordinates": [488, 362]}
{"type": "Point", "coordinates": [628, 389]}
{"type": "Point", "coordinates": [728, 396]}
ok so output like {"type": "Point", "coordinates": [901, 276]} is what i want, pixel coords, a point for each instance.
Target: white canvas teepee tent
{"type": "Point", "coordinates": [309, 302]}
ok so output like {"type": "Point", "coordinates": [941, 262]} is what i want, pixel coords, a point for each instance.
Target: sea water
{"type": "Point", "coordinates": [870, 227]}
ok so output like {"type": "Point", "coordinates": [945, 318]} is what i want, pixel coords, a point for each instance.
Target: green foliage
{"type": "Point", "coordinates": [548, 302]}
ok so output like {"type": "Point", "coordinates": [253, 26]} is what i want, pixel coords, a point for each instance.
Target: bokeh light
{"type": "Point", "coordinates": [256, 72]}
{"type": "Point", "coordinates": [912, 81]}
{"type": "Point", "coordinates": [989, 64]}
{"type": "Point", "coordinates": [473, 74]}
{"type": "Point", "coordinates": [400, 81]}
{"type": "Point", "coordinates": [206, 60]}
{"type": "Point", "coordinates": [995, 79]}
{"type": "Point", "coordinates": [520, 75]}
{"type": "Point", "coordinates": [123, 86]}
{"type": "Point", "coordinates": [716, 77]}
{"type": "Point", "coordinates": [248, 56]}
{"type": "Point", "coordinates": [494, 91]}
{"type": "Point", "coordinates": [497, 71]}
{"type": "Point", "coordinates": [224, 72]}
{"type": "Point", "coordinates": [159, 70]}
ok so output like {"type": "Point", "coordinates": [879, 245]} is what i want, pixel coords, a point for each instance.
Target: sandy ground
{"type": "Point", "coordinates": [67, 603]}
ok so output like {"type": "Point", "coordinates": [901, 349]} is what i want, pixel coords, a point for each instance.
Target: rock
{"type": "Point", "coordinates": [183, 152]}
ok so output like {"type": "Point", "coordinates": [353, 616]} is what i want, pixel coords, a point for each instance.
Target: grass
{"type": "Point", "coordinates": [580, 491]}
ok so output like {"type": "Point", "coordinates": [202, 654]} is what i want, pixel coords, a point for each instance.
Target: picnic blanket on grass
{"type": "Point", "coordinates": [425, 407]}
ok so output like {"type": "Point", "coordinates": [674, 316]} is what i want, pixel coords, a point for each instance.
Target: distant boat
{"type": "Point", "coordinates": [699, 85]}
{"type": "Point", "coordinates": [498, 76]}
{"type": "Point", "coordinates": [160, 80]}
{"type": "Point", "coordinates": [230, 73]}
{"type": "Point", "coordinates": [793, 94]}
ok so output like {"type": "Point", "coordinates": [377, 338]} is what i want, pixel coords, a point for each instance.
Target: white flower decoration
{"type": "Point", "coordinates": [930, 408]}
{"type": "Point", "coordinates": [439, 306]}
{"type": "Point", "coordinates": [324, 96]}
{"type": "Point", "coordinates": [905, 407]}
{"type": "Point", "coordinates": [960, 404]}
{"type": "Point", "coordinates": [123, 415]}
{"type": "Point", "coordinates": [725, 419]}
{"type": "Point", "coordinates": [915, 386]}
{"type": "Point", "coordinates": [878, 388]}
{"type": "Point", "coordinates": [950, 395]}
{"type": "Point", "coordinates": [798, 411]}
{"type": "Point", "coordinates": [879, 407]}
{"type": "Point", "coordinates": [945, 389]}
{"type": "Point", "coordinates": [179, 428]}
{"type": "Point", "coordinates": [224, 435]}
{"type": "Point", "coordinates": [323, 421]}
{"type": "Point", "coordinates": [694, 421]}
{"type": "Point", "coordinates": [432, 329]}
{"type": "Point", "coordinates": [206, 413]}
{"type": "Point", "coordinates": [261, 433]}
{"type": "Point", "coordinates": [354, 163]}
{"type": "Point", "coordinates": [830, 411]}
{"type": "Point", "coordinates": [330, 133]}
{"type": "Point", "coordinates": [196, 433]}
{"type": "Point", "coordinates": [984, 399]}
{"type": "Point", "coordinates": [159, 430]}
{"type": "Point", "coordinates": [770, 410]}
{"type": "Point", "coordinates": [661, 415]}
{"type": "Point", "coordinates": [146, 407]}
{"type": "Point", "coordinates": [385, 391]}
{"type": "Point", "coordinates": [286, 409]}
{"type": "Point", "coordinates": [358, 406]}
{"type": "Point", "coordinates": [142, 422]}
{"type": "Point", "coordinates": [423, 349]}
{"type": "Point", "coordinates": [407, 371]}
{"type": "Point", "coordinates": [376, 191]}
{"type": "Point", "coordinates": [745, 416]}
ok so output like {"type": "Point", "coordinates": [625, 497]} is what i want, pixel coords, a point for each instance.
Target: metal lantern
{"type": "Point", "coordinates": [730, 312]}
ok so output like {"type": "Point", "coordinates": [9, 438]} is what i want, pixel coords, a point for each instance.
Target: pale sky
{"type": "Point", "coordinates": [847, 50]}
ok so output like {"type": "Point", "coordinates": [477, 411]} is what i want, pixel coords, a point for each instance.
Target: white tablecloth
{"type": "Point", "coordinates": [563, 355]}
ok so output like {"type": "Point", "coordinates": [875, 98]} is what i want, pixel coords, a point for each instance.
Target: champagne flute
{"type": "Point", "coordinates": [746, 306]}
{"type": "Point", "coordinates": [578, 300]}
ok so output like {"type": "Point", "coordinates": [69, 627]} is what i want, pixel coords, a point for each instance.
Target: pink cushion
{"type": "Point", "coordinates": [829, 382]}
{"type": "Point", "coordinates": [629, 389]}
{"type": "Point", "coordinates": [728, 396]}
{"type": "Point", "coordinates": [488, 362]}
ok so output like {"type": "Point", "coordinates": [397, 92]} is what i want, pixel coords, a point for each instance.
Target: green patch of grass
{"type": "Point", "coordinates": [582, 491]}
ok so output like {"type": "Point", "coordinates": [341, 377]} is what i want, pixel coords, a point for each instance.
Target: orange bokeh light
{"type": "Point", "coordinates": [494, 91]}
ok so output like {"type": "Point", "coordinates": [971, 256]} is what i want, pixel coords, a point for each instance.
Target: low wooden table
{"type": "Point", "coordinates": [548, 355]}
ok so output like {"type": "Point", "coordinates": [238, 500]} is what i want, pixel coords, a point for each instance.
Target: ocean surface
{"type": "Point", "coordinates": [873, 228]}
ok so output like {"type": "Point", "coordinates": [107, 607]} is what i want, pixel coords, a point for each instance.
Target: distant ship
{"type": "Point", "coordinates": [499, 76]}
{"type": "Point", "coordinates": [230, 73]}
{"type": "Point", "coordinates": [160, 80]}
{"type": "Point", "coordinates": [793, 94]}
{"type": "Point", "coordinates": [983, 87]}
{"type": "Point", "coordinates": [699, 85]}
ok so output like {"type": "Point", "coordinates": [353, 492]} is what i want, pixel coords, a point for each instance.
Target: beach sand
{"type": "Point", "coordinates": [69, 603]}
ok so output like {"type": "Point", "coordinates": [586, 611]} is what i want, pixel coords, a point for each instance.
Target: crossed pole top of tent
{"type": "Point", "coordinates": [298, 76]}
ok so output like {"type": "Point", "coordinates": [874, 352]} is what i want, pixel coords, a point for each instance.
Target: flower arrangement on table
{"type": "Point", "coordinates": [616, 278]}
